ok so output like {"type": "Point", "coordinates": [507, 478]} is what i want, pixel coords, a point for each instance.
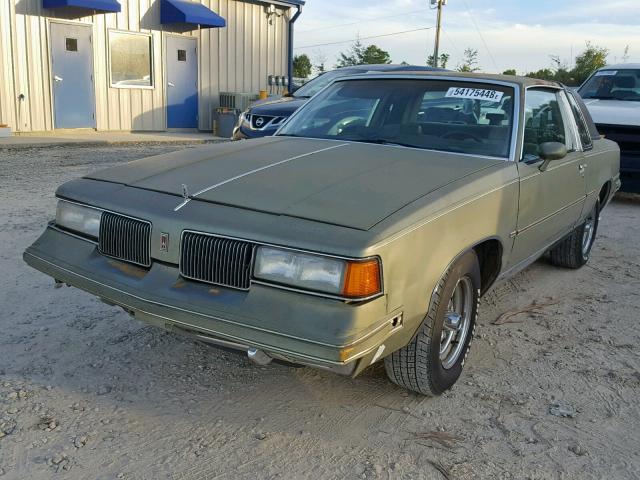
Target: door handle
{"type": "Point", "coordinates": [170, 84]}
{"type": "Point", "coordinates": [57, 78]}
{"type": "Point", "coordinates": [581, 168]}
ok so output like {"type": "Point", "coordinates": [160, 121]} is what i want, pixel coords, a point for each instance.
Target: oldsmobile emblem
{"type": "Point", "coordinates": [164, 242]}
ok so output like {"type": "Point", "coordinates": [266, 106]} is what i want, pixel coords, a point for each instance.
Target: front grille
{"type": "Point", "coordinates": [628, 137]}
{"type": "Point", "coordinates": [259, 122]}
{"type": "Point", "coordinates": [216, 260]}
{"type": "Point", "coordinates": [125, 238]}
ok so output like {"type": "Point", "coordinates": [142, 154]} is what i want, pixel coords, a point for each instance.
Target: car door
{"type": "Point", "coordinates": [551, 199]}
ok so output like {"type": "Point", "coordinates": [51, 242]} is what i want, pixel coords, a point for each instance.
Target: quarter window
{"type": "Point", "coordinates": [583, 130]}
{"type": "Point", "coordinates": [130, 55]}
{"type": "Point", "coordinates": [544, 122]}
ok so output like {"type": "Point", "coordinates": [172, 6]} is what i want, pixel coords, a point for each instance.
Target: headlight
{"type": "Point", "coordinates": [84, 220]}
{"type": "Point", "coordinates": [319, 273]}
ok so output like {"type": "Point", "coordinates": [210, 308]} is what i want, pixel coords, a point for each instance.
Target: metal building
{"type": "Point", "coordinates": [135, 64]}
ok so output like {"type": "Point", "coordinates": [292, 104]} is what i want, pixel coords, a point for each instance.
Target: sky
{"type": "Point", "coordinates": [520, 34]}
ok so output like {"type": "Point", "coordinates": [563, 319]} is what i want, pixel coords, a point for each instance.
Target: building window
{"type": "Point", "coordinates": [71, 44]}
{"type": "Point", "coordinates": [182, 55]}
{"type": "Point", "coordinates": [130, 58]}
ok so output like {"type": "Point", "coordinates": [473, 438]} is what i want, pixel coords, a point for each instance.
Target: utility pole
{"type": "Point", "coordinates": [436, 51]}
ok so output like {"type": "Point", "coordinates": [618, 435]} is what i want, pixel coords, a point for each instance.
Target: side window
{"type": "Point", "coordinates": [544, 122]}
{"type": "Point", "coordinates": [583, 130]}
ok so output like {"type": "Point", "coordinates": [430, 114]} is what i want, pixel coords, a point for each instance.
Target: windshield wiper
{"type": "Point", "coordinates": [601, 97]}
{"type": "Point", "coordinates": [383, 141]}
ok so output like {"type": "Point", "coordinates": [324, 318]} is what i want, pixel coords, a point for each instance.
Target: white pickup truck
{"type": "Point", "coordinates": [612, 95]}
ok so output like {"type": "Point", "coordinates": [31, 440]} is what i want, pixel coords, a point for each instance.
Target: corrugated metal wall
{"type": "Point", "coordinates": [237, 58]}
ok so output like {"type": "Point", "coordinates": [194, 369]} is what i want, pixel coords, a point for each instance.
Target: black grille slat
{"type": "Point", "coordinates": [125, 238]}
{"type": "Point", "coordinates": [216, 260]}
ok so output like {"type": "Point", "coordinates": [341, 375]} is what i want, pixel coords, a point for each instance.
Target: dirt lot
{"type": "Point", "coordinates": [86, 392]}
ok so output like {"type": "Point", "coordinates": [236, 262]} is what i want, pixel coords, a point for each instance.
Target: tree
{"type": "Point", "coordinates": [353, 56]}
{"type": "Point", "coordinates": [562, 72]}
{"type": "Point", "coordinates": [510, 71]}
{"type": "Point", "coordinates": [542, 74]}
{"type": "Point", "coordinates": [443, 59]}
{"type": "Point", "coordinates": [593, 58]}
{"type": "Point", "coordinates": [358, 54]}
{"type": "Point", "coordinates": [374, 55]}
{"type": "Point", "coordinates": [469, 61]}
{"type": "Point", "coordinates": [320, 62]}
{"type": "Point", "coordinates": [301, 66]}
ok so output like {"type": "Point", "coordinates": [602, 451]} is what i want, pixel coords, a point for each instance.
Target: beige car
{"type": "Point", "coordinates": [366, 230]}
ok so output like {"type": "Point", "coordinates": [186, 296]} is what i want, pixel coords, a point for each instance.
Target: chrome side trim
{"type": "Point", "coordinates": [529, 260]}
{"type": "Point", "coordinates": [200, 314]}
{"type": "Point", "coordinates": [251, 172]}
{"type": "Point", "coordinates": [547, 217]}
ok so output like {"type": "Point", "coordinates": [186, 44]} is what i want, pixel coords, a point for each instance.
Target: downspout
{"type": "Point", "coordinates": [290, 53]}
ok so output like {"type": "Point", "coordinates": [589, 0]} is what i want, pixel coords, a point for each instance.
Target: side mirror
{"type": "Point", "coordinates": [550, 151]}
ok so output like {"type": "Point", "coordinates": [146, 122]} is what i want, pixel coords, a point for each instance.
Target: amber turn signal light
{"type": "Point", "coordinates": [362, 279]}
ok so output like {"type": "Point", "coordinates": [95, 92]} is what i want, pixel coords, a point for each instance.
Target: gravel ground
{"type": "Point", "coordinates": [87, 392]}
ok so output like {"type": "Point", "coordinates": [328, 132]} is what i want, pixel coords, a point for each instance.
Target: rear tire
{"type": "Point", "coordinates": [432, 362]}
{"type": "Point", "coordinates": [573, 252]}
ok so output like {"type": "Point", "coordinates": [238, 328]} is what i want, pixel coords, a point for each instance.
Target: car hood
{"type": "Point", "coordinates": [614, 112]}
{"type": "Point", "coordinates": [349, 184]}
{"type": "Point", "coordinates": [282, 107]}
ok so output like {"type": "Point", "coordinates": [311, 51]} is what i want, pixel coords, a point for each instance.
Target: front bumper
{"type": "Point", "coordinates": [244, 133]}
{"type": "Point", "coordinates": [285, 325]}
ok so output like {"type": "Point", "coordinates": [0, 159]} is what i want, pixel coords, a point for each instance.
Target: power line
{"type": "Point", "coordinates": [365, 38]}
{"type": "Point", "coordinates": [366, 20]}
{"type": "Point", "coordinates": [453, 44]}
{"type": "Point", "coordinates": [480, 34]}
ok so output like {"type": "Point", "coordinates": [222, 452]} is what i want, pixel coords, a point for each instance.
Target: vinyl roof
{"type": "Point", "coordinates": [523, 81]}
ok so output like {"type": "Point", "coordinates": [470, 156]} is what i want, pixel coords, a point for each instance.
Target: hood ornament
{"type": "Point", "coordinates": [185, 191]}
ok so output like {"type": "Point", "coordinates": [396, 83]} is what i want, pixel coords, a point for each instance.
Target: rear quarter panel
{"type": "Point", "coordinates": [603, 166]}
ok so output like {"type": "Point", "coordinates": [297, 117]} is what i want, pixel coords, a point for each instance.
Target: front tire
{"type": "Point", "coordinates": [432, 362]}
{"type": "Point", "coordinates": [573, 252]}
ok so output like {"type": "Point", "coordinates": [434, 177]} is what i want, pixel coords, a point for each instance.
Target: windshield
{"type": "Point", "coordinates": [314, 86]}
{"type": "Point", "coordinates": [452, 116]}
{"type": "Point", "coordinates": [613, 85]}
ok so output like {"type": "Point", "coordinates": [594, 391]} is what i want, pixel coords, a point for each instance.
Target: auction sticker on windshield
{"type": "Point", "coordinates": [475, 94]}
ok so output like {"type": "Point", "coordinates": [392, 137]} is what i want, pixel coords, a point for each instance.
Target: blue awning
{"type": "Point", "coordinates": [183, 11]}
{"type": "Point", "coordinates": [96, 5]}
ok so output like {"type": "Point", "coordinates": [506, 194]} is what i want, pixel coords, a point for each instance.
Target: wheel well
{"type": "Point", "coordinates": [604, 193]}
{"type": "Point", "coordinates": [489, 255]}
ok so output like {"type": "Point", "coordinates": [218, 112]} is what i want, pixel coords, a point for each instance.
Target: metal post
{"type": "Point", "coordinates": [290, 49]}
{"type": "Point", "coordinates": [436, 50]}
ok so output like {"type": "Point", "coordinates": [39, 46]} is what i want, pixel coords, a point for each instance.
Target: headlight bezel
{"type": "Point", "coordinates": [347, 261]}
{"type": "Point", "coordinates": [76, 229]}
